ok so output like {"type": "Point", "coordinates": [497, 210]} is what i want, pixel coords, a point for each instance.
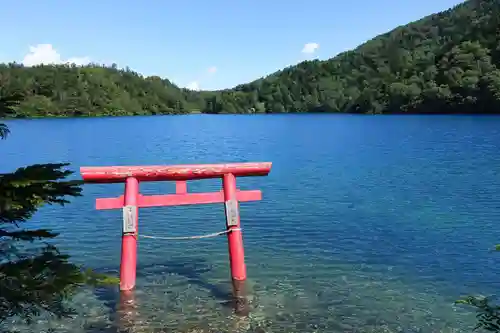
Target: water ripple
{"type": "Point", "coordinates": [368, 224]}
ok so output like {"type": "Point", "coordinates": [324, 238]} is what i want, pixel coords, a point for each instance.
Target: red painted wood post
{"type": "Point", "coordinates": [128, 263]}
{"type": "Point", "coordinates": [132, 200]}
{"type": "Point", "coordinates": [235, 243]}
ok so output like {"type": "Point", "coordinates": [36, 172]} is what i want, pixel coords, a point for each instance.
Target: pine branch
{"type": "Point", "coordinates": [34, 280]}
{"type": "Point", "coordinates": [28, 235]}
{"type": "Point", "coordinates": [28, 188]}
{"type": "Point", "coordinates": [487, 313]}
{"type": "Point", "coordinates": [42, 282]}
{"type": "Point", "coordinates": [37, 284]}
{"type": "Point", "coordinates": [4, 131]}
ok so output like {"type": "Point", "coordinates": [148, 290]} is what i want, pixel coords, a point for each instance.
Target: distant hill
{"type": "Point", "coordinates": [68, 90]}
{"type": "Point", "coordinates": [444, 63]}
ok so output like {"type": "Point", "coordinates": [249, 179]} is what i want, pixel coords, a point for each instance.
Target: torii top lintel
{"type": "Point", "coordinates": [119, 174]}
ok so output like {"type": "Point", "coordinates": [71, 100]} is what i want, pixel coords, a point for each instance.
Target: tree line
{"type": "Point", "coordinates": [444, 63]}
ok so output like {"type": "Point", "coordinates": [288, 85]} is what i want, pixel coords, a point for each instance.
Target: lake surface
{"type": "Point", "coordinates": [367, 224]}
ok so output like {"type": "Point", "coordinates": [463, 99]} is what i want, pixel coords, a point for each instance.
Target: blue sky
{"type": "Point", "coordinates": [211, 44]}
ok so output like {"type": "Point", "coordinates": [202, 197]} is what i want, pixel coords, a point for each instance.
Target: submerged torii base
{"type": "Point", "coordinates": [133, 200]}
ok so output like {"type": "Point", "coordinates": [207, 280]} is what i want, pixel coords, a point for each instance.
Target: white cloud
{"type": "Point", "coordinates": [78, 61]}
{"type": "Point", "coordinates": [46, 54]}
{"type": "Point", "coordinates": [193, 85]}
{"type": "Point", "coordinates": [310, 48]}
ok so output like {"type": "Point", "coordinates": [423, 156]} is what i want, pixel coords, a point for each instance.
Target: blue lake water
{"type": "Point", "coordinates": [367, 224]}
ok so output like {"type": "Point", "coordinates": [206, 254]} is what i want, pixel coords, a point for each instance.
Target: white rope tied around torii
{"type": "Point", "coordinates": [211, 235]}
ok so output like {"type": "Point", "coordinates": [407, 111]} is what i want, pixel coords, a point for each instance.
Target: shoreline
{"type": "Point", "coordinates": [255, 114]}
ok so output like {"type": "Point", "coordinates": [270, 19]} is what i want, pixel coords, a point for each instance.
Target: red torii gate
{"type": "Point", "coordinates": [132, 200]}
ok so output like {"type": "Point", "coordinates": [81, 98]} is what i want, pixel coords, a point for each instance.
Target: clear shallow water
{"type": "Point", "coordinates": [368, 224]}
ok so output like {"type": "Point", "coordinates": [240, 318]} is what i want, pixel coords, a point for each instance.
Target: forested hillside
{"type": "Point", "coordinates": [66, 90]}
{"type": "Point", "coordinates": [444, 63]}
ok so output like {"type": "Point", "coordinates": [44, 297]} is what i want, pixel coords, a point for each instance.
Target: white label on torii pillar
{"type": "Point", "coordinates": [232, 213]}
{"type": "Point", "coordinates": [129, 219]}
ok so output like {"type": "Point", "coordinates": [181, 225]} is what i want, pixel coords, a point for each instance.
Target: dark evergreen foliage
{"type": "Point", "coordinates": [34, 276]}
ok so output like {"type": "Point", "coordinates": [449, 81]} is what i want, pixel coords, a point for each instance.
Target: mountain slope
{"type": "Point", "coordinates": [65, 90]}
{"type": "Point", "coordinates": [444, 63]}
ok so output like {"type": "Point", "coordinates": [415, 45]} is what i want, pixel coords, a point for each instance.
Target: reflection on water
{"type": "Point", "coordinates": [173, 297]}
{"type": "Point", "coordinates": [368, 224]}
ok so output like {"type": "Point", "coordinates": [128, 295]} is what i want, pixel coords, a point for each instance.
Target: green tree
{"type": "Point", "coordinates": [34, 276]}
{"type": "Point", "coordinates": [487, 313]}
{"type": "Point", "coordinates": [447, 62]}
